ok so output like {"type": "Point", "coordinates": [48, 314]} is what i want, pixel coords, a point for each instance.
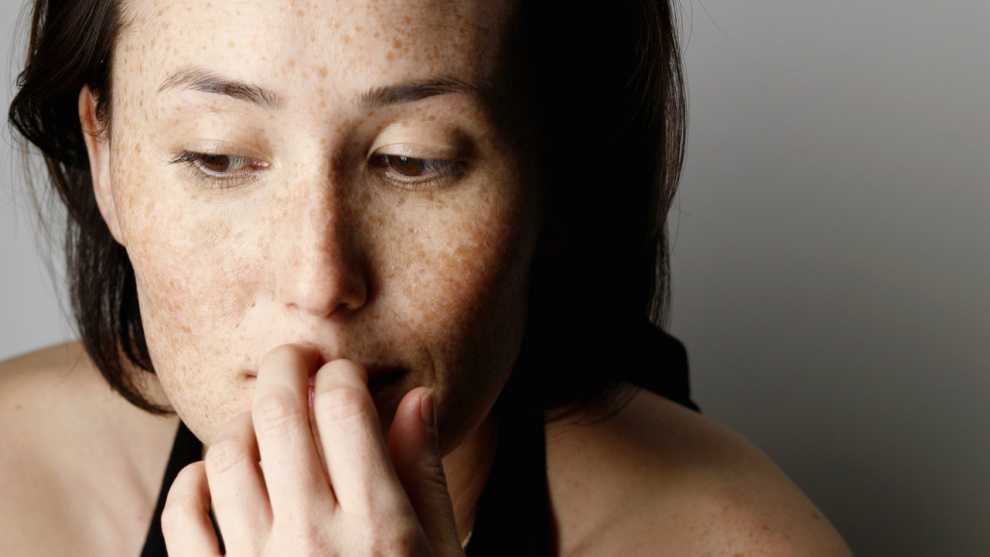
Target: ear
{"type": "Point", "coordinates": [98, 148]}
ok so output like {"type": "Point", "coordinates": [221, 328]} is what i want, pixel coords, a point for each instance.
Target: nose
{"type": "Point", "coordinates": [319, 267]}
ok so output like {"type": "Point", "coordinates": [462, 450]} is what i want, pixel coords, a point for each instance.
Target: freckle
{"type": "Point", "coordinates": [323, 71]}
{"type": "Point", "coordinates": [347, 39]}
{"type": "Point", "coordinates": [397, 44]}
{"type": "Point", "coordinates": [419, 254]}
{"type": "Point", "coordinates": [390, 56]}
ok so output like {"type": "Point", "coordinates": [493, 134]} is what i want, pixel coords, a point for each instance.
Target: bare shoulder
{"type": "Point", "coordinates": [666, 480]}
{"type": "Point", "coordinates": [52, 399]}
{"type": "Point", "coordinates": [30, 405]}
{"type": "Point", "coordinates": [62, 429]}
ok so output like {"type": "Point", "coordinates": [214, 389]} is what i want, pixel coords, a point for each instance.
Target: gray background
{"type": "Point", "coordinates": [830, 259]}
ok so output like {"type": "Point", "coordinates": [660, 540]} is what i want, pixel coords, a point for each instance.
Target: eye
{"type": "Point", "coordinates": [221, 168]}
{"type": "Point", "coordinates": [416, 172]}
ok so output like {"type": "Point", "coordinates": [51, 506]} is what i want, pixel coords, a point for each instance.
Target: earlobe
{"type": "Point", "coordinates": [98, 150]}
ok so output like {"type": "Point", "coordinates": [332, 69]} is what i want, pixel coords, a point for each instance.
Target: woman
{"type": "Point", "coordinates": [390, 263]}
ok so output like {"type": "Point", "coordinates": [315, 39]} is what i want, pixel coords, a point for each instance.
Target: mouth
{"type": "Point", "coordinates": [381, 378]}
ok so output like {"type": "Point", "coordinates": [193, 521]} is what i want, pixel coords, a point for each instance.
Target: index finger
{"type": "Point", "coordinates": [294, 475]}
{"type": "Point", "coordinates": [354, 448]}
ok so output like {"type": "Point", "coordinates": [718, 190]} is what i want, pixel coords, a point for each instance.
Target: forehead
{"type": "Point", "coordinates": [287, 44]}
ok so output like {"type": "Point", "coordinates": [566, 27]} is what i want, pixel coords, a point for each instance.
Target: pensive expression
{"type": "Point", "coordinates": [328, 173]}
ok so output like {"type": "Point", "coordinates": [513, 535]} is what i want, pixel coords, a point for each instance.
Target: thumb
{"type": "Point", "coordinates": [414, 451]}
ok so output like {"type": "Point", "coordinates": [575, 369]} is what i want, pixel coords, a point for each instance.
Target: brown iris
{"type": "Point", "coordinates": [216, 163]}
{"type": "Point", "coordinates": [406, 166]}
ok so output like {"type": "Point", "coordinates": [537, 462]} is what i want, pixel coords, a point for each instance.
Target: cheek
{"type": "Point", "coordinates": [180, 270]}
{"type": "Point", "coordinates": [465, 280]}
{"type": "Point", "coordinates": [464, 293]}
{"type": "Point", "coordinates": [183, 262]}
{"type": "Point", "coordinates": [453, 272]}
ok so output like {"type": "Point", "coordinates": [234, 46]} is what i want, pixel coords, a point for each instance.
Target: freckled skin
{"type": "Point", "coordinates": [320, 248]}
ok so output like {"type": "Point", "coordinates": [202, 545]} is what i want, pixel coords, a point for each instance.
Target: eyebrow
{"type": "Point", "coordinates": [205, 81]}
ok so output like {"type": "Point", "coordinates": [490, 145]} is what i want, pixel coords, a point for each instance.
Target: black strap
{"type": "Point", "coordinates": [513, 515]}
{"type": "Point", "coordinates": [186, 449]}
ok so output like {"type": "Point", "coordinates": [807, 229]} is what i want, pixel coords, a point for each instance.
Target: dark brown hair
{"type": "Point", "coordinates": [603, 87]}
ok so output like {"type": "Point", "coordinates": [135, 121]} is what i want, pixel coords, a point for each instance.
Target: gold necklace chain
{"type": "Point", "coordinates": [467, 539]}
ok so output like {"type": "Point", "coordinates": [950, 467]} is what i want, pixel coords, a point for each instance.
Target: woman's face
{"type": "Point", "coordinates": [321, 234]}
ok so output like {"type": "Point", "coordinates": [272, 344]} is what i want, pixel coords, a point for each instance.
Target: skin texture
{"type": "Point", "coordinates": [318, 247]}
{"type": "Point", "coordinates": [320, 264]}
{"type": "Point", "coordinates": [337, 496]}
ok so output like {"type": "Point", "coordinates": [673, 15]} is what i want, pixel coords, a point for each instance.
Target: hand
{"type": "Point", "coordinates": [331, 490]}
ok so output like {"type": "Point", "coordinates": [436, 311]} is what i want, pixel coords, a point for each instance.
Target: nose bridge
{"type": "Point", "coordinates": [319, 271]}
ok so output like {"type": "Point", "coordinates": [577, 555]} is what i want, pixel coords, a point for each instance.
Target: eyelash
{"type": "Point", "coordinates": [444, 169]}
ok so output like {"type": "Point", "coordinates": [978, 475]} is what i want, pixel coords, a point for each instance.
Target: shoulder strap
{"type": "Point", "coordinates": [185, 450]}
{"type": "Point", "coordinates": [514, 516]}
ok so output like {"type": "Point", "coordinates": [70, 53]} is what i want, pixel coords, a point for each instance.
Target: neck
{"type": "Point", "coordinates": [467, 469]}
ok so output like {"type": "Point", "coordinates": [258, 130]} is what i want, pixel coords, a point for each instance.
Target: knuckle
{"type": "Point", "coordinates": [305, 537]}
{"type": "Point", "coordinates": [175, 514]}
{"type": "Point", "coordinates": [400, 542]}
{"type": "Point", "coordinates": [187, 481]}
{"type": "Point", "coordinates": [341, 403]}
{"type": "Point", "coordinates": [224, 455]}
{"type": "Point", "coordinates": [385, 510]}
{"type": "Point", "coordinates": [275, 408]}
{"type": "Point", "coordinates": [182, 500]}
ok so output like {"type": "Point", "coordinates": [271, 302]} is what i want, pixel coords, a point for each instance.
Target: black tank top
{"type": "Point", "coordinates": [518, 472]}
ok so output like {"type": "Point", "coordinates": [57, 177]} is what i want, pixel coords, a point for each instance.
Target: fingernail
{"type": "Point", "coordinates": [427, 411]}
